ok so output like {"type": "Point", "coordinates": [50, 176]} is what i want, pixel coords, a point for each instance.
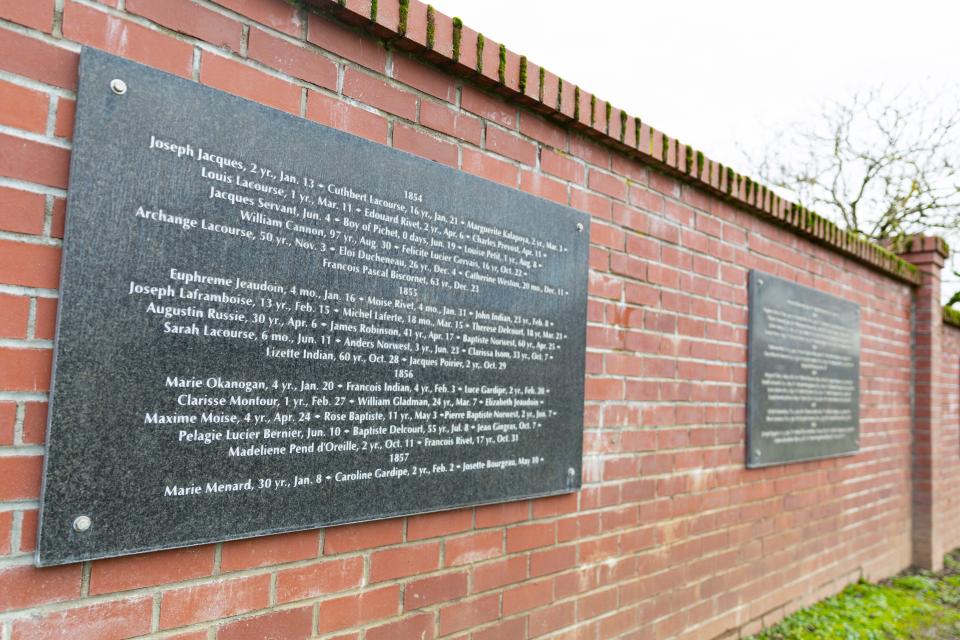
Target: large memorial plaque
{"type": "Point", "coordinates": [269, 325]}
{"type": "Point", "coordinates": [804, 373]}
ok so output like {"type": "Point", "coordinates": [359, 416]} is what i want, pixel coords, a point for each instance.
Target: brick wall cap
{"type": "Point", "coordinates": [678, 159]}
{"type": "Point", "coordinates": [919, 243]}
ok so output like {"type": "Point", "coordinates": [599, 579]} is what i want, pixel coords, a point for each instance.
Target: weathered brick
{"type": "Point", "coordinates": [489, 168]}
{"type": "Point", "coordinates": [126, 38]}
{"type": "Point", "coordinates": [276, 15]}
{"type": "Point", "coordinates": [23, 586]}
{"type": "Point", "coordinates": [531, 536]}
{"type": "Point", "coordinates": [66, 114]}
{"type": "Point", "coordinates": [424, 78]}
{"type": "Point", "coordinates": [14, 314]}
{"type": "Point", "coordinates": [464, 615]}
{"type": "Point", "coordinates": [473, 548]}
{"type": "Point", "coordinates": [341, 115]}
{"type": "Point", "coordinates": [346, 42]}
{"type": "Point", "coordinates": [112, 620]}
{"type": "Point", "coordinates": [489, 107]}
{"type": "Point", "coordinates": [319, 578]}
{"type": "Point", "coordinates": [269, 550]}
{"type": "Point", "coordinates": [210, 601]}
{"type": "Point", "coordinates": [32, 161]}
{"type": "Point", "coordinates": [491, 575]}
{"type": "Point", "coordinates": [404, 561]}
{"type": "Point", "coordinates": [147, 570]}
{"type": "Point", "coordinates": [357, 609]}
{"type": "Point", "coordinates": [31, 58]}
{"type": "Point", "coordinates": [296, 60]}
{"type": "Point", "coordinates": [425, 145]}
{"type": "Point", "coordinates": [288, 624]}
{"type": "Point", "coordinates": [511, 146]}
{"type": "Point", "coordinates": [23, 108]}
{"type": "Point", "coordinates": [419, 626]}
{"type": "Point", "coordinates": [247, 82]}
{"type": "Point", "coordinates": [429, 591]}
{"type": "Point", "coordinates": [441, 523]}
{"type": "Point", "coordinates": [375, 92]}
{"type": "Point", "coordinates": [191, 19]}
{"type": "Point", "coordinates": [36, 14]}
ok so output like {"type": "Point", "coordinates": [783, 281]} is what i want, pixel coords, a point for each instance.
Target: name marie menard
{"type": "Point", "coordinates": [210, 487]}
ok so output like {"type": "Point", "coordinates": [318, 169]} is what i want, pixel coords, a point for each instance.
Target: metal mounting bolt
{"type": "Point", "coordinates": [579, 227]}
{"type": "Point", "coordinates": [82, 523]}
{"type": "Point", "coordinates": [571, 472]}
{"type": "Point", "coordinates": [118, 86]}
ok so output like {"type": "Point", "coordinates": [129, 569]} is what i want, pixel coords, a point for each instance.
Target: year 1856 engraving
{"type": "Point", "coordinates": [268, 325]}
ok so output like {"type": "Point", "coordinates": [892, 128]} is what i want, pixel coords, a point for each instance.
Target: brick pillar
{"type": "Point", "coordinates": [928, 254]}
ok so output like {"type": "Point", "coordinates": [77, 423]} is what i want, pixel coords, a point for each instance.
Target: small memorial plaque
{"type": "Point", "coordinates": [269, 325]}
{"type": "Point", "coordinates": [804, 373]}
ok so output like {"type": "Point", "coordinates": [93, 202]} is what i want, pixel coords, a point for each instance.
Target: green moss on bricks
{"type": "Point", "coordinates": [951, 316]}
{"type": "Point", "coordinates": [664, 147]}
{"type": "Point", "coordinates": [636, 132]}
{"type": "Point", "coordinates": [523, 74]}
{"type": "Point", "coordinates": [688, 159]}
{"type": "Point", "coordinates": [623, 126]}
{"type": "Point", "coordinates": [730, 178]}
{"type": "Point", "coordinates": [609, 111]}
{"type": "Point", "coordinates": [576, 103]}
{"type": "Point", "coordinates": [559, 94]}
{"type": "Point", "coordinates": [431, 26]}
{"type": "Point", "coordinates": [502, 65]}
{"type": "Point", "coordinates": [892, 262]}
{"type": "Point", "coordinates": [404, 13]}
{"type": "Point", "coordinates": [593, 109]}
{"type": "Point", "coordinates": [480, 41]}
{"type": "Point", "coordinates": [342, 3]}
{"type": "Point", "coordinates": [373, 10]}
{"type": "Point", "coordinates": [457, 35]}
{"type": "Point", "coordinates": [700, 162]}
{"type": "Point", "coordinates": [543, 78]}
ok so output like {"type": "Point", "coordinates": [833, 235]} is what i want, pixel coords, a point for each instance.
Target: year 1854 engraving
{"type": "Point", "coordinates": [268, 325]}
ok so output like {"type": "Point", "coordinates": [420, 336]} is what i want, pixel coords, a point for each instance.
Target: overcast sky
{"type": "Point", "coordinates": [726, 76]}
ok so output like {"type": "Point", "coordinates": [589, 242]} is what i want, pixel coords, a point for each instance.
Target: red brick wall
{"type": "Point", "coordinates": [670, 537]}
{"type": "Point", "coordinates": [949, 394]}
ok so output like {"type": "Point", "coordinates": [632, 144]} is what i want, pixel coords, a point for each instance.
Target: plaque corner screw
{"type": "Point", "coordinates": [118, 86]}
{"type": "Point", "coordinates": [757, 452]}
{"type": "Point", "coordinates": [579, 227]}
{"type": "Point", "coordinates": [571, 471]}
{"type": "Point", "coordinates": [82, 523]}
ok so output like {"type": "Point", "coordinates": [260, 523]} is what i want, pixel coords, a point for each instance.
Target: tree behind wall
{"type": "Point", "coordinates": [881, 165]}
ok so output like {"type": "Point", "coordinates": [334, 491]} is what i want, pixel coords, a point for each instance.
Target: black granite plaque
{"type": "Point", "coordinates": [269, 325]}
{"type": "Point", "coordinates": [804, 373]}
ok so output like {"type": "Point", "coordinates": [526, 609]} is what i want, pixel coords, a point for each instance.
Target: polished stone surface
{"type": "Point", "coordinates": [803, 399]}
{"type": "Point", "coordinates": [269, 325]}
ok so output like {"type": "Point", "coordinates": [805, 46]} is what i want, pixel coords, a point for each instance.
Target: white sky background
{"type": "Point", "coordinates": [724, 76]}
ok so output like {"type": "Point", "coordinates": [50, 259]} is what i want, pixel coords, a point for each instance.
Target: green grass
{"type": "Point", "coordinates": [917, 605]}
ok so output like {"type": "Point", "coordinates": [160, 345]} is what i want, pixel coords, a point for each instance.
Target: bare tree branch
{"type": "Point", "coordinates": [880, 164]}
